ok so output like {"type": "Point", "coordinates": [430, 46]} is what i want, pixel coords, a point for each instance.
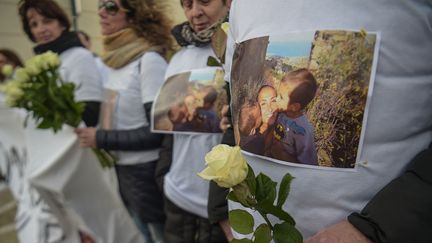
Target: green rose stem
{"type": "Point", "coordinates": [228, 168]}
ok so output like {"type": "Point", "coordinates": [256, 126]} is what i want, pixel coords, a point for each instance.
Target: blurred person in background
{"type": "Point", "coordinates": [136, 41]}
{"type": "Point", "coordinates": [8, 57]}
{"type": "Point", "coordinates": [46, 24]}
{"type": "Point", "coordinates": [188, 220]}
{"type": "Point", "coordinates": [86, 41]}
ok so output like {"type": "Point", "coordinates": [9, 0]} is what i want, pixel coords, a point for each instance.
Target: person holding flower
{"type": "Point", "coordinates": [388, 197]}
{"type": "Point", "coordinates": [136, 41]}
{"type": "Point", "coordinates": [186, 194]}
{"type": "Point", "coordinates": [47, 24]}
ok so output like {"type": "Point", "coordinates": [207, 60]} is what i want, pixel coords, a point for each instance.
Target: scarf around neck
{"type": "Point", "coordinates": [124, 47]}
{"type": "Point", "coordinates": [185, 35]}
{"type": "Point", "coordinates": [67, 40]}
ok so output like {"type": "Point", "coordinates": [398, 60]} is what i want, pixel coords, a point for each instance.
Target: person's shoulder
{"type": "Point", "coordinates": [77, 56]}
{"type": "Point", "coordinates": [188, 52]}
{"type": "Point", "coordinates": [179, 54]}
{"type": "Point", "coordinates": [152, 58]}
{"type": "Point", "coordinates": [77, 52]}
{"type": "Point", "coordinates": [189, 58]}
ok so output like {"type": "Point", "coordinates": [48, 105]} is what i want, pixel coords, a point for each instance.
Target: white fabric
{"type": "Point", "coordinates": [68, 179]}
{"type": "Point", "coordinates": [102, 68]}
{"type": "Point", "coordinates": [35, 222]}
{"type": "Point", "coordinates": [78, 66]}
{"type": "Point", "coordinates": [136, 85]}
{"type": "Point", "coordinates": [182, 185]}
{"type": "Point", "coordinates": [399, 120]}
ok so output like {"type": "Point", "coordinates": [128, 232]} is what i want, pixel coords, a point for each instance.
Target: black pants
{"type": "Point", "coordinates": [184, 227]}
{"type": "Point", "coordinates": [139, 191]}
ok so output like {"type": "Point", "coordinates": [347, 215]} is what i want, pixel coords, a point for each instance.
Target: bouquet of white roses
{"type": "Point", "coordinates": [228, 168]}
{"type": "Point", "coordinates": [39, 89]}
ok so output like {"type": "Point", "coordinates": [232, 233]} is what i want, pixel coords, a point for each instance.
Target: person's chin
{"type": "Point", "coordinates": [46, 40]}
{"type": "Point", "coordinates": [199, 28]}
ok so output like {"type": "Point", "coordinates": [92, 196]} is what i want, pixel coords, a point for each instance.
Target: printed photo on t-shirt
{"type": "Point", "coordinates": [190, 102]}
{"type": "Point", "coordinates": [301, 98]}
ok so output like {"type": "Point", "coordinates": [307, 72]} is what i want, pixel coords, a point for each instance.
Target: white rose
{"type": "Point", "coordinates": [225, 165]}
{"type": "Point", "coordinates": [225, 27]}
{"type": "Point", "coordinates": [13, 92]}
{"type": "Point", "coordinates": [7, 70]}
{"type": "Point", "coordinates": [32, 67]}
{"type": "Point", "coordinates": [52, 59]}
{"type": "Point", "coordinates": [21, 75]}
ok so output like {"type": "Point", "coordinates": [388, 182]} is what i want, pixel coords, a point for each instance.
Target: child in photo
{"type": "Point", "coordinates": [292, 136]}
{"type": "Point", "coordinates": [205, 102]}
{"type": "Point", "coordinates": [194, 112]}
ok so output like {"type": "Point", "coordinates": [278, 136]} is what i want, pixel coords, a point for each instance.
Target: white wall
{"type": "Point", "coordinates": [12, 36]}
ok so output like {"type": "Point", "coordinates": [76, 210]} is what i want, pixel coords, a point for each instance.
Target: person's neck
{"type": "Point", "coordinates": [64, 42]}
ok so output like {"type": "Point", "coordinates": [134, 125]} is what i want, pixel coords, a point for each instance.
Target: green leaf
{"type": "Point", "coordinates": [262, 234]}
{"type": "Point", "coordinates": [284, 189]}
{"type": "Point", "coordinates": [231, 196]}
{"type": "Point", "coordinates": [265, 189]}
{"type": "Point", "coordinates": [286, 233]}
{"type": "Point", "coordinates": [243, 194]}
{"type": "Point", "coordinates": [241, 221]}
{"type": "Point", "coordinates": [218, 43]}
{"type": "Point", "coordinates": [213, 62]}
{"type": "Point", "coordinates": [269, 208]}
{"type": "Point", "coordinates": [45, 124]}
{"type": "Point", "coordinates": [52, 90]}
{"type": "Point", "coordinates": [250, 180]}
{"type": "Point", "coordinates": [241, 241]}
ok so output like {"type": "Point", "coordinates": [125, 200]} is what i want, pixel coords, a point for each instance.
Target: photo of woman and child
{"type": "Point", "coordinates": [275, 125]}
{"type": "Point", "coordinates": [190, 103]}
{"type": "Point", "coordinates": [301, 98]}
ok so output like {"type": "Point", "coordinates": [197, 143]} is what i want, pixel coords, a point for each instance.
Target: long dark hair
{"type": "Point", "coordinates": [12, 57]}
{"type": "Point", "coordinates": [47, 8]}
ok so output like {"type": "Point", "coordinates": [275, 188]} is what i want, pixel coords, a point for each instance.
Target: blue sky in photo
{"type": "Point", "coordinates": [294, 44]}
{"type": "Point", "coordinates": [202, 75]}
{"type": "Point", "coordinates": [289, 49]}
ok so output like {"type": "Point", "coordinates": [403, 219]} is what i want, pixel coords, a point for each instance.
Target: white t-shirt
{"type": "Point", "coordinates": [399, 116]}
{"type": "Point", "coordinates": [182, 185]}
{"type": "Point", "coordinates": [136, 84]}
{"type": "Point", "coordinates": [78, 66]}
{"type": "Point", "coordinates": [102, 68]}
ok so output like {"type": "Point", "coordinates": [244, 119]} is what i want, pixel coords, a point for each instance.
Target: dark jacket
{"type": "Point", "coordinates": [217, 206]}
{"type": "Point", "coordinates": [129, 140]}
{"type": "Point", "coordinates": [402, 211]}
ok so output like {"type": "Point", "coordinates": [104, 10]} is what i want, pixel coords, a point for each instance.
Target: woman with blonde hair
{"type": "Point", "coordinates": [136, 41]}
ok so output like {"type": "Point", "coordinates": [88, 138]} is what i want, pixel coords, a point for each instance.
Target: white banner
{"type": "Point", "coordinates": [39, 164]}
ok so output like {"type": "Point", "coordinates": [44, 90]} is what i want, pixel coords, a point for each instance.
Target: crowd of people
{"type": "Point", "coordinates": [386, 198]}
